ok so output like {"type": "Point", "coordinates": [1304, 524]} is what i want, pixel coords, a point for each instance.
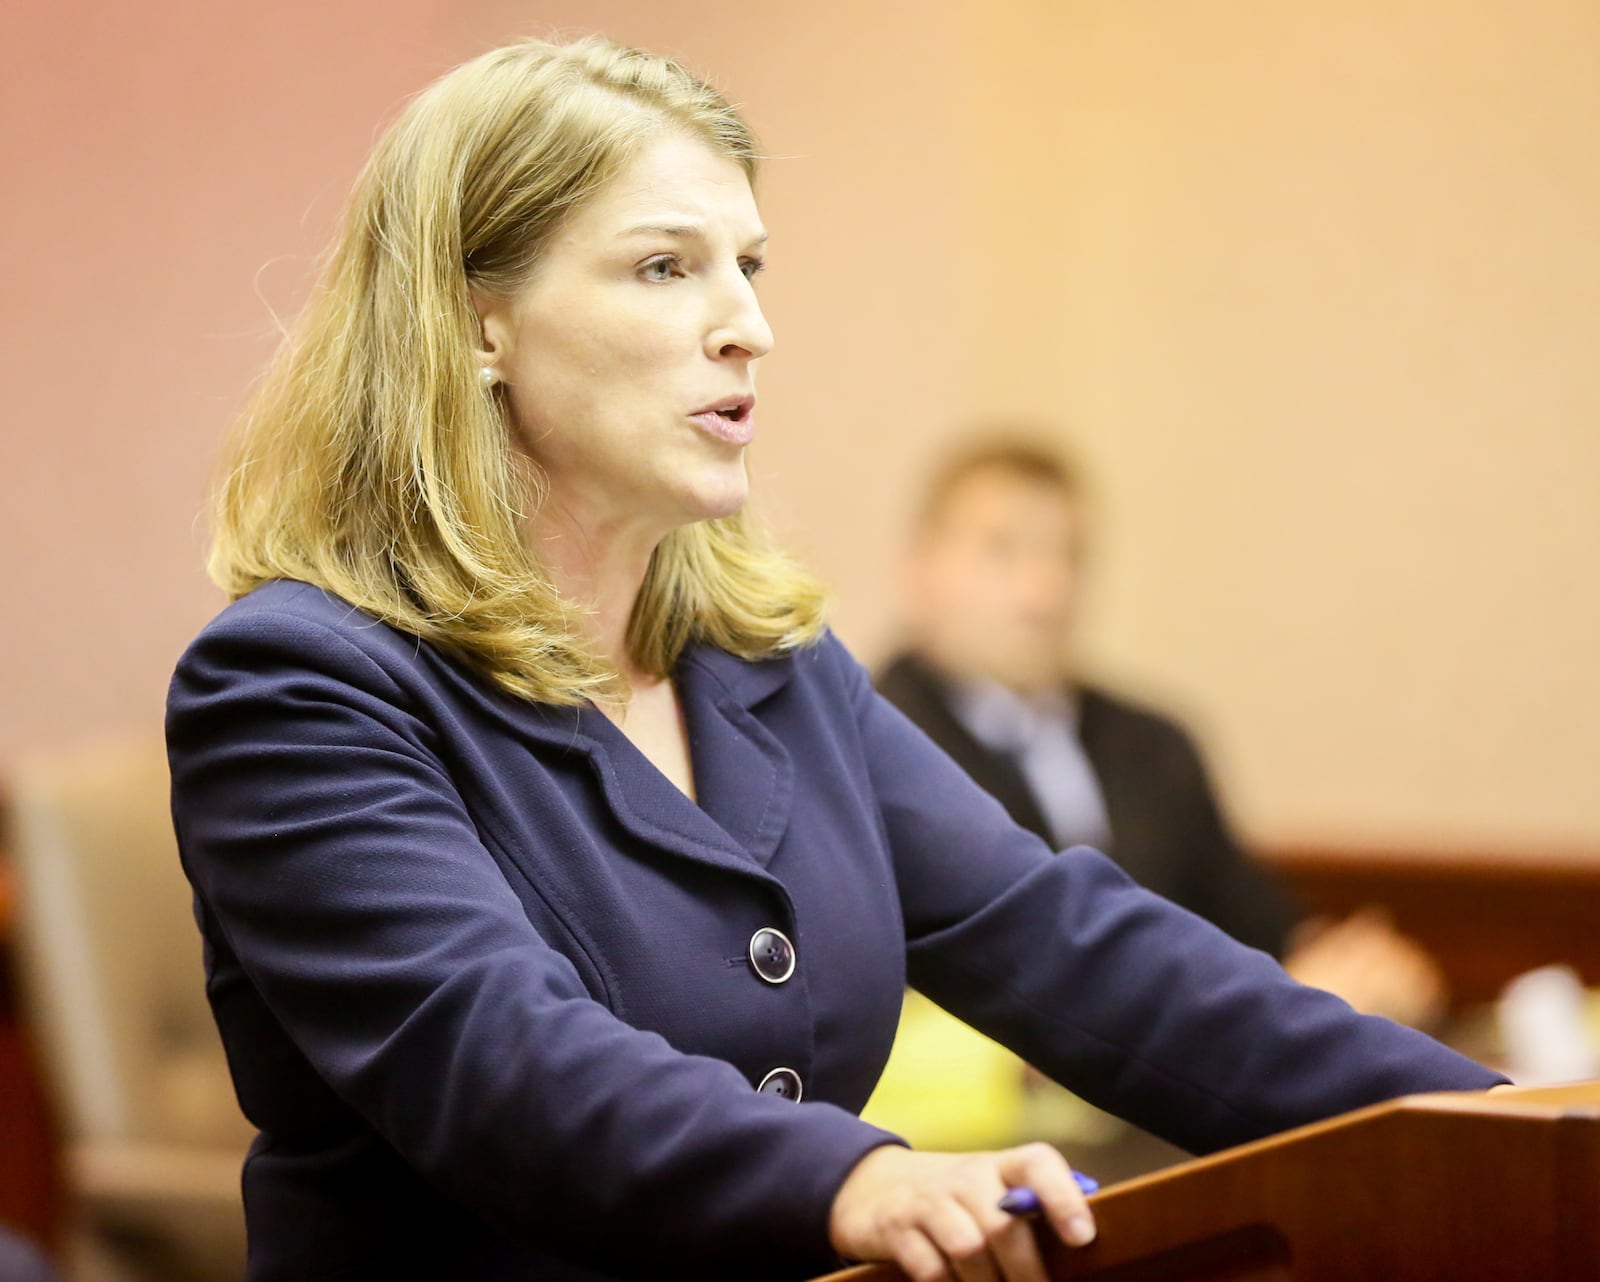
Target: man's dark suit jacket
{"type": "Point", "coordinates": [1167, 830]}
{"type": "Point", "coordinates": [490, 985]}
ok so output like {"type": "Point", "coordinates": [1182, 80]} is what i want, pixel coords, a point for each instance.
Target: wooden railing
{"type": "Point", "coordinates": [1484, 917]}
{"type": "Point", "coordinates": [1434, 1188]}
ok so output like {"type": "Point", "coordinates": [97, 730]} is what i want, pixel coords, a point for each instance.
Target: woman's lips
{"type": "Point", "coordinates": [734, 431]}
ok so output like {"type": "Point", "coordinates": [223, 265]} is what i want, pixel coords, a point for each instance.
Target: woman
{"type": "Point", "coordinates": [559, 873]}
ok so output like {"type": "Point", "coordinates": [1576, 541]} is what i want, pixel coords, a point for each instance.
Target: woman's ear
{"type": "Point", "coordinates": [495, 328]}
{"type": "Point", "coordinates": [496, 333]}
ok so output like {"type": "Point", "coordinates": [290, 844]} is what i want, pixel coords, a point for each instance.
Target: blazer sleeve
{"type": "Point", "coordinates": [329, 847]}
{"type": "Point", "coordinates": [1145, 1009]}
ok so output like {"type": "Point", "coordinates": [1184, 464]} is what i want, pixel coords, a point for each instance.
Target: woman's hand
{"type": "Point", "coordinates": [937, 1215]}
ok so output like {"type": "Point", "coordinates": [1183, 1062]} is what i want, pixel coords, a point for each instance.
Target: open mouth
{"type": "Point", "coordinates": [731, 420]}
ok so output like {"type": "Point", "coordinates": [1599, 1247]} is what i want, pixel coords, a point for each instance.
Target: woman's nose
{"type": "Point", "coordinates": [743, 332]}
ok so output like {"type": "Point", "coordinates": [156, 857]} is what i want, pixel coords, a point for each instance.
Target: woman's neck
{"type": "Point", "coordinates": [598, 569]}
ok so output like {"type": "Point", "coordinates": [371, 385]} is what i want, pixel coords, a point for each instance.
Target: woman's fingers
{"type": "Point", "coordinates": [1062, 1202]}
{"type": "Point", "coordinates": [1009, 1239]}
{"type": "Point", "coordinates": [937, 1215]}
{"type": "Point", "coordinates": [961, 1239]}
{"type": "Point", "coordinates": [919, 1259]}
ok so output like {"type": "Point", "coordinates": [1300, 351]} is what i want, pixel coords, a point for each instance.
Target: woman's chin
{"type": "Point", "coordinates": [725, 497]}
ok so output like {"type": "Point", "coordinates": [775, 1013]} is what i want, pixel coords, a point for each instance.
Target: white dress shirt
{"type": "Point", "coordinates": [1041, 735]}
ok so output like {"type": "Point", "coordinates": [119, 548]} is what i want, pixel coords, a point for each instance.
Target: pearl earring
{"type": "Point", "coordinates": [487, 376]}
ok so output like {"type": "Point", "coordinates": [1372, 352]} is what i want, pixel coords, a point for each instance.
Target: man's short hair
{"type": "Point", "coordinates": [1026, 457]}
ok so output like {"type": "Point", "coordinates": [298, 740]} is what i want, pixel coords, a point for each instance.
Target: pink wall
{"type": "Point", "coordinates": [177, 164]}
{"type": "Point", "coordinates": [159, 159]}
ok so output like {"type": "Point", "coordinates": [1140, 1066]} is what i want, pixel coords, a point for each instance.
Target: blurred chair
{"type": "Point", "coordinates": [111, 966]}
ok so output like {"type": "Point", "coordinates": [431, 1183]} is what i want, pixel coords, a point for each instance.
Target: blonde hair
{"type": "Point", "coordinates": [372, 462]}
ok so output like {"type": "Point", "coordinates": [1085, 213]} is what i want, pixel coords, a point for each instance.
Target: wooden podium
{"type": "Point", "coordinates": [1442, 1188]}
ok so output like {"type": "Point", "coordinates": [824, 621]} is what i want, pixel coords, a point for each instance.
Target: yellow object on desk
{"type": "Point", "coordinates": [948, 1086]}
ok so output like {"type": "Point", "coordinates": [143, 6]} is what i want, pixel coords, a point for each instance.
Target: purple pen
{"type": "Point", "coordinates": [1022, 1200]}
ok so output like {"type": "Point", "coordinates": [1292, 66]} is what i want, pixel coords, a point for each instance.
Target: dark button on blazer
{"type": "Point", "coordinates": [483, 973]}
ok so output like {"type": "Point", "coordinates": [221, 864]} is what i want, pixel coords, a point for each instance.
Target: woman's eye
{"type": "Point", "coordinates": [752, 267]}
{"type": "Point", "coordinates": [660, 269]}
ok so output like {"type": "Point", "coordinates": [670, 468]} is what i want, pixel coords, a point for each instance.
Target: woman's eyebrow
{"type": "Point", "coordinates": [663, 229]}
{"type": "Point", "coordinates": [682, 230]}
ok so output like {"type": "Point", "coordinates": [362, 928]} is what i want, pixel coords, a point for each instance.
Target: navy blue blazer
{"type": "Point", "coordinates": [485, 977]}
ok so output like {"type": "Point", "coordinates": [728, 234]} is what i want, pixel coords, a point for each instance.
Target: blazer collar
{"type": "Point", "coordinates": [744, 777]}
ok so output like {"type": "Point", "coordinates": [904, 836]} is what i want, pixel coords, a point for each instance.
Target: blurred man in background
{"type": "Point", "coordinates": [993, 588]}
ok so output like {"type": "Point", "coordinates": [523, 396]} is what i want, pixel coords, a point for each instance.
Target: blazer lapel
{"type": "Point", "coordinates": [744, 777]}
{"type": "Point", "coordinates": [644, 801]}
{"type": "Point", "coordinates": [649, 805]}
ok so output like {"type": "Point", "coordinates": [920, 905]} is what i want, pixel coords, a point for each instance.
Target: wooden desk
{"type": "Point", "coordinates": [1435, 1188]}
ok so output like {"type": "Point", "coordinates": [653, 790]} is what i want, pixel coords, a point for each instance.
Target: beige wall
{"type": "Point", "coordinates": [1313, 286]}
{"type": "Point", "coordinates": [1317, 287]}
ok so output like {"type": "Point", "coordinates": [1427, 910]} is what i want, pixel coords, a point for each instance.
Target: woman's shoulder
{"type": "Point", "coordinates": [286, 607]}
{"type": "Point", "coordinates": [278, 603]}
{"type": "Point", "coordinates": [287, 623]}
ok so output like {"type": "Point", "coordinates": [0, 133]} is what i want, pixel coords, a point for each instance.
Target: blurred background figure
{"type": "Point", "coordinates": [993, 587]}
{"type": "Point", "coordinates": [992, 590]}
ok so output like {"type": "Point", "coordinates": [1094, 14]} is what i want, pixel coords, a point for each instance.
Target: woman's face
{"type": "Point", "coordinates": [628, 359]}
